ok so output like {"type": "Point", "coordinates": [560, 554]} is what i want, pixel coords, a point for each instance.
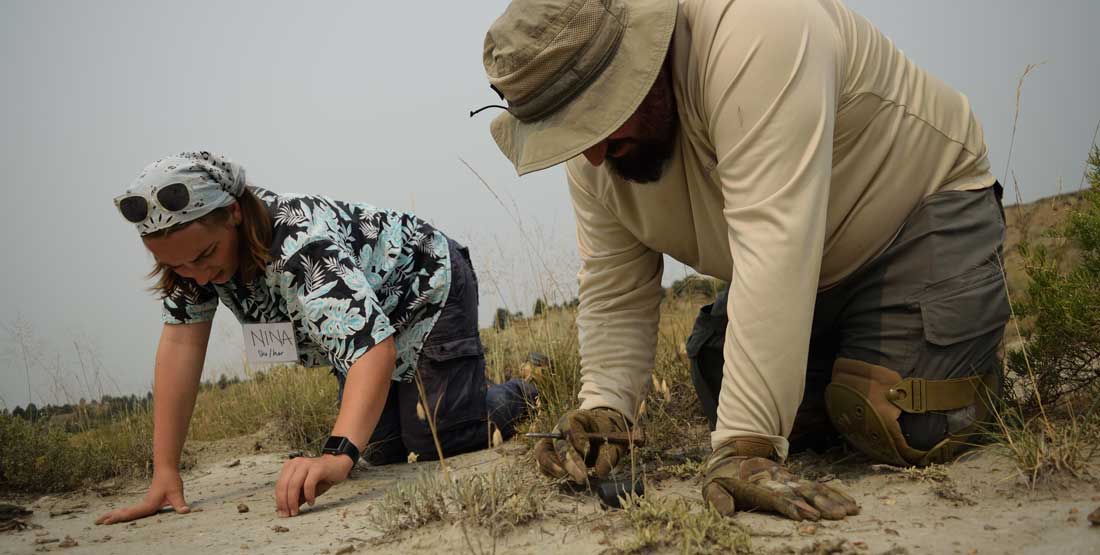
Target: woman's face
{"type": "Point", "coordinates": [203, 252]}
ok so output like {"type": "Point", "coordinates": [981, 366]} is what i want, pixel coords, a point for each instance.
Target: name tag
{"type": "Point", "coordinates": [270, 343]}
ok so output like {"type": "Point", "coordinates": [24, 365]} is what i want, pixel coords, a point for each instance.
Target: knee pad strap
{"type": "Point", "coordinates": [861, 403]}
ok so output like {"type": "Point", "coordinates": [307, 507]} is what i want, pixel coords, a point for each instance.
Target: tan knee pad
{"type": "Point", "coordinates": [857, 405]}
{"type": "Point", "coordinates": [864, 402]}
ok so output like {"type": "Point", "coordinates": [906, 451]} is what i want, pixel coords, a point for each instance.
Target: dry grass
{"type": "Point", "coordinates": [1046, 447]}
{"type": "Point", "coordinates": [299, 403]}
{"type": "Point", "coordinates": [38, 457]}
{"type": "Point", "coordinates": [670, 414]}
{"type": "Point", "coordinates": [686, 526]}
{"type": "Point", "coordinates": [498, 501]}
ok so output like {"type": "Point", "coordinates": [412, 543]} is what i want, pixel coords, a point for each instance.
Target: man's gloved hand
{"type": "Point", "coordinates": [737, 478]}
{"type": "Point", "coordinates": [572, 456]}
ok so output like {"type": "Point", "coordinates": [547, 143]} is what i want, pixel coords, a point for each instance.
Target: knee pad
{"type": "Point", "coordinates": [864, 402]}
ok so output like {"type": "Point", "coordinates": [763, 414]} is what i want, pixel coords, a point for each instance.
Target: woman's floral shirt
{"type": "Point", "coordinates": [347, 275]}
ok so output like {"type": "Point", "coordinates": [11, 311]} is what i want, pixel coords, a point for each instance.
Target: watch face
{"type": "Point", "coordinates": [333, 444]}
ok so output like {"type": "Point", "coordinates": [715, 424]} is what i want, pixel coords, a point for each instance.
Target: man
{"type": "Point", "coordinates": [788, 147]}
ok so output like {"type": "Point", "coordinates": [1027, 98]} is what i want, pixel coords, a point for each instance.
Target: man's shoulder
{"type": "Point", "coordinates": [594, 180]}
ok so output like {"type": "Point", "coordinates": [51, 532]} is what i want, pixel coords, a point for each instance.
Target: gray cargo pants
{"type": "Point", "coordinates": [933, 305]}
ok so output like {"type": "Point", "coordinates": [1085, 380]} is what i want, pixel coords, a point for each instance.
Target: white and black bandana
{"type": "Point", "coordinates": [212, 180]}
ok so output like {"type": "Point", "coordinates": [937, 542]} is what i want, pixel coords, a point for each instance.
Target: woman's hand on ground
{"type": "Point", "coordinates": [305, 478]}
{"type": "Point", "coordinates": [165, 489]}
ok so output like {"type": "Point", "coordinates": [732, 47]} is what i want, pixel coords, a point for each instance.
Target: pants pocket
{"type": "Point", "coordinates": [965, 307]}
{"type": "Point", "coordinates": [453, 375]}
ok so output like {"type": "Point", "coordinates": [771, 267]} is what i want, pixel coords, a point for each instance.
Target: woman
{"type": "Point", "coordinates": [378, 295]}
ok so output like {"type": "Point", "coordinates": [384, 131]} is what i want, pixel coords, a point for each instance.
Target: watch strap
{"type": "Point", "coordinates": [339, 445]}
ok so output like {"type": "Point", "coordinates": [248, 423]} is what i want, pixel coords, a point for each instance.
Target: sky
{"type": "Point", "coordinates": [369, 101]}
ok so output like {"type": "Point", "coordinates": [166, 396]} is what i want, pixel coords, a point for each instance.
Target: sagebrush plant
{"type": "Point", "coordinates": [1048, 421]}
{"type": "Point", "coordinates": [1061, 310]}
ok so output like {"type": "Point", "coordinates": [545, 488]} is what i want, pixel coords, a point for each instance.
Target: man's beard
{"type": "Point", "coordinates": [645, 162]}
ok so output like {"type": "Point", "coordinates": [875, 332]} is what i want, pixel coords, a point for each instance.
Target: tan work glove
{"type": "Point", "coordinates": [737, 477]}
{"type": "Point", "coordinates": [572, 456]}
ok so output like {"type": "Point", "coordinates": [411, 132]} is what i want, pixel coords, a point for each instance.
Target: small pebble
{"type": "Point", "coordinates": [242, 508]}
{"type": "Point", "coordinates": [1094, 517]}
{"type": "Point", "coordinates": [68, 542]}
{"type": "Point", "coordinates": [280, 529]}
{"type": "Point", "coordinates": [345, 550]}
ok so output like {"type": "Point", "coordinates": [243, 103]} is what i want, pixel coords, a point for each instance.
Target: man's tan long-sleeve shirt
{"type": "Point", "coordinates": [806, 139]}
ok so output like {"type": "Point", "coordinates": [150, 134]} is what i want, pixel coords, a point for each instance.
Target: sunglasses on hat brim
{"type": "Point", "coordinates": [135, 207]}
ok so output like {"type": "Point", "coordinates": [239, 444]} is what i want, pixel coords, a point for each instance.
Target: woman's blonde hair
{"type": "Point", "coordinates": [254, 242]}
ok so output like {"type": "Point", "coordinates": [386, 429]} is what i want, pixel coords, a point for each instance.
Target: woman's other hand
{"type": "Point", "coordinates": [166, 489]}
{"type": "Point", "coordinates": [305, 478]}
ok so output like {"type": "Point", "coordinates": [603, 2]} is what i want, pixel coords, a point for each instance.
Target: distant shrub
{"type": "Point", "coordinates": [1061, 312]}
{"type": "Point", "coordinates": [697, 286]}
{"type": "Point", "coordinates": [297, 404]}
{"type": "Point", "coordinates": [41, 457]}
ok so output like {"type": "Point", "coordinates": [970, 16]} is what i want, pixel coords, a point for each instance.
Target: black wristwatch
{"type": "Point", "coordinates": [336, 445]}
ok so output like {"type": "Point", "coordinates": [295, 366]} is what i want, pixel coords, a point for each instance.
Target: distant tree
{"type": "Point", "coordinates": [540, 307]}
{"type": "Point", "coordinates": [32, 412]}
{"type": "Point", "coordinates": [19, 412]}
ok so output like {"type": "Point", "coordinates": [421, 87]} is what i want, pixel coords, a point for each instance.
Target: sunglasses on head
{"type": "Point", "coordinates": [135, 207]}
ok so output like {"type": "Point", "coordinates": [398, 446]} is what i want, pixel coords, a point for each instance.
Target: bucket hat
{"type": "Point", "coordinates": [572, 72]}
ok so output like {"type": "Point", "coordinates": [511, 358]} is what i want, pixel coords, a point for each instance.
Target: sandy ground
{"type": "Point", "coordinates": [981, 508]}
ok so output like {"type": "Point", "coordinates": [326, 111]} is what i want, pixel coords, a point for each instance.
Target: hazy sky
{"type": "Point", "coordinates": [368, 101]}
